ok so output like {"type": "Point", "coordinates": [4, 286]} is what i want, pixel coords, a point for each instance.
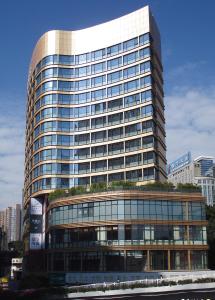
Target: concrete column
{"type": "Point", "coordinates": [177, 260]}
{"type": "Point", "coordinates": [101, 265]}
{"type": "Point", "coordinates": [189, 259]}
{"type": "Point", "coordinates": [51, 267]}
{"type": "Point", "coordinates": [125, 259]}
{"type": "Point", "coordinates": [66, 262]}
{"type": "Point", "coordinates": [81, 261]}
{"type": "Point", "coordinates": [169, 260]}
{"type": "Point", "coordinates": [148, 268]}
{"type": "Point", "coordinates": [188, 233]}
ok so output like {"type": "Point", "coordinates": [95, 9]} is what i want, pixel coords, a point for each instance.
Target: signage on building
{"type": "Point", "coordinates": [36, 207]}
{"type": "Point", "coordinates": [37, 221]}
{"type": "Point", "coordinates": [178, 163]}
{"type": "Point", "coordinates": [35, 241]}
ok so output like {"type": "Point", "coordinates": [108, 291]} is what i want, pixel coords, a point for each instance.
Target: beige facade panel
{"type": "Point", "coordinates": [92, 38]}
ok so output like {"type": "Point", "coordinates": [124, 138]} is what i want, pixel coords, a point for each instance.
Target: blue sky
{"type": "Point", "coordinates": [188, 47]}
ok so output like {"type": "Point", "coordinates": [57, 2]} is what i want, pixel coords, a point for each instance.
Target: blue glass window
{"type": "Point", "coordinates": [115, 76]}
{"type": "Point", "coordinates": [115, 90]}
{"type": "Point", "coordinates": [114, 63]}
{"type": "Point", "coordinates": [81, 59]}
{"type": "Point", "coordinates": [63, 140]}
{"type": "Point", "coordinates": [113, 50]}
{"type": "Point", "coordinates": [83, 97]}
{"type": "Point", "coordinates": [82, 139]}
{"type": "Point", "coordinates": [63, 154]}
{"type": "Point", "coordinates": [115, 148]}
{"type": "Point", "coordinates": [145, 81]}
{"type": "Point", "coordinates": [116, 176]}
{"type": "Point", "coordinates": [115, 133]}
{"type": "Point", "coordinates": [131, 85]}
{"type": "Point", "coordinates": [131, 44]}
{"type": "Point", "coordinates": [98, 136]}
{"type": "Point", "coordinates": [133, 129]}
{"type": "Point", "coordinates": [83, 71]}
{"type": "Point", "coordinates": [130, 72]}
{"type": "Point", "coordinates": [66, 59]}
{"type": "Point", "coordinates": [144, 39]}
{"type": "Point", "coordinates": [99, 54]}
{"type": "Point", "coordinates": [48, 60]}
{"type": "Point", "coordinates": [98, 122]}
{"type": "Point", "coordinates": [98, 108]}
{"type": "Point", "coordinates": [148, 173]}
{"type": "Point", "coordinates": [132, 145]}
{"type": "Point", "coordinates": [98, 68]}
{"type": "Point", "coordinates": [99, 151]}
{"type": "Point", "coordinates": [98, 81]}
{"type": "Point", "coordinates": [65, 86]}
{"type": "Point", "coordinates": [148, 126]}
{"type": "Point", "coordinates": [82, 84]}
{"type": "Point", "coordinates": [132, 114]}
{"type": "Point", "coordinates": [132, 100]}
{"type": "Point", "coordinates": [147, 110]}
{"type": "Point", "coordinates": [115, 104]}
{"type": "Point", "coordinates": [98, 95]}
{"type": "Point", "coordinates": [146, 96]}
{"type": "Point", "coordinates": [37, 131]}
{"type": "Point", "coordinates": [148, 142]}
{"type": "Point", "coordinates": [115, 119]}
{"type": "Point", "coordinates": [36, 145]}
{"type": "Point", "coordinates": [65, 72]}
{"type": "Point", "coordinates": [145, 67]}
{"type": "Point", "coordinates": [64, 112]}
{"type": "Point", "coordinates": [36, 158]}
{"type": "Point", "coordinates": [130, 58]}
{"type": "Point", "coordinates": [144, 53]}
{"type": "Point", "coordinates": [135, 175]}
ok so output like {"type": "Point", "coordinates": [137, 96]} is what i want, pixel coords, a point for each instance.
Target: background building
{"type": "Point", "coordinates": [95, 114]}
{"type": "Point", "coordinates": [200, 171]}
{"type": "Point", "coordinates": [10, 222]}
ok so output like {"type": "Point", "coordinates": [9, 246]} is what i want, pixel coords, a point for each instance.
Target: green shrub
{"type": "Point", "coordinates": [185, 281]}
{"type": "Point", "coordinates": [160, 186]}
{"type": "Point", "coordinates": [98, 187]}
{"type": "Point", "coordinates": [188, 187]}
{"type": "Point", "coordinates": [57, 194]}
{"type": "Point", "coordinates": [204, 280]}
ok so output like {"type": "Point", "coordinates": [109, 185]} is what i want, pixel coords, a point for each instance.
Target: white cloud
{"type": "Point", "coordinates": [190, 122]}
{"type": "Point", "coordinates": [11, 151]}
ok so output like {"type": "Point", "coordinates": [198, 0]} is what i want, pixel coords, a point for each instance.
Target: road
{"type": "Point", "coordinates": [204, 294]}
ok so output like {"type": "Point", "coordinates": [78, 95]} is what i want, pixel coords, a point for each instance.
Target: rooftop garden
{"type": "Point", "coordinates": [123, 185]}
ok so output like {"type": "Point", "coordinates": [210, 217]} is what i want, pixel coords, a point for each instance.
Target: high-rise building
{"type": "Point", "coordinates": [95, 113]}
{"type": "Point", "coordinates": [10, 222]}
{"type": "Point", "coordinates": [200, 171]}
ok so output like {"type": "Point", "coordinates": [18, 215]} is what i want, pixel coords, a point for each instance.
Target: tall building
{"type": "Point", "coordinates": [200, 171]}
{"type": "Point", "coordinates": [10, 222]}
{"type": "Point", "coordinates": [95, 113]}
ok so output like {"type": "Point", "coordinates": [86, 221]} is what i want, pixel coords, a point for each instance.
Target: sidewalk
{"type": "Point", "coordinates": [149, 290]}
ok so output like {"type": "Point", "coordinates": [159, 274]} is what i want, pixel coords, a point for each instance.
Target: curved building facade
{"type": "Point", "coordinates": [127, 231]}
{"type": "Point", "coordinates": [95, 108]}
{"type": "Point", "coordinates": [95, 113]}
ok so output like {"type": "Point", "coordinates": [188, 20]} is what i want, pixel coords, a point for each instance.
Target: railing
{"type": "Point", "coordinates": [67, 193]}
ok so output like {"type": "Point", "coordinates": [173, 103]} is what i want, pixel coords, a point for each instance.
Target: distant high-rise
{"type": "Point", "coordinates": [200, 171]}
{"type": "Point", "coordinates": [10, 222]}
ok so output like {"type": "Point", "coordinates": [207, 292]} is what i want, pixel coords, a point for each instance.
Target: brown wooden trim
{"type": "Point", "coordinates": [126, 222]}
{"type": "Point", "coordinates": [116, 195]}
{"type": "Point", "coordinates": [131, 247]}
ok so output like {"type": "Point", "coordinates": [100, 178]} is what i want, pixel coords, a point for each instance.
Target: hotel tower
{"type": "Point", "coordinates": [95, 115]}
